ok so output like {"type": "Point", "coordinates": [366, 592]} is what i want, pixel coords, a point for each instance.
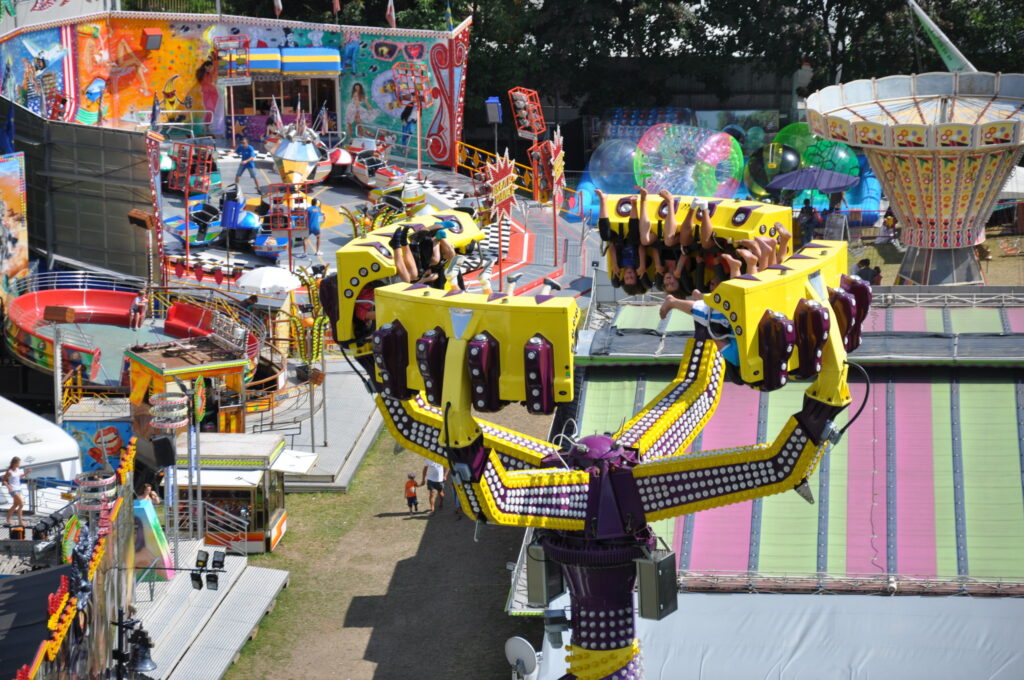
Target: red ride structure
{"type": "Point", "coordinates": [527, 113]}
{"type": "Point", "coordinates": [232, 68]}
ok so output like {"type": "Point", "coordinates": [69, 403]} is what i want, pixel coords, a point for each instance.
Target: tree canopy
{"type": "Point", "coordinates": [571, 49]}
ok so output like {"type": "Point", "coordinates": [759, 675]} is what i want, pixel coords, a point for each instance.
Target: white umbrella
{"type": "Point", "coordinates": [268, 280]}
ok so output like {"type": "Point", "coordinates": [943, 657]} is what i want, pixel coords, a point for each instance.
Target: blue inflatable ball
{"type": "Point", "coordinates": [248, 220]}
{"type": "Point", "coordinates": [611, 167]}
{"type": "Point", "coordinates": [737, 132]}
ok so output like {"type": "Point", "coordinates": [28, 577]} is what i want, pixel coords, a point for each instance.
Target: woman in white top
{"type": "Point", "coordinates": [12, 481]}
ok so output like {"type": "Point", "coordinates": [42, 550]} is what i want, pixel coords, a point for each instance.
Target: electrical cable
{"type": "Point", "coordinates": [366, 382]}
{"type": "Point", "coordinates": [867, 395]}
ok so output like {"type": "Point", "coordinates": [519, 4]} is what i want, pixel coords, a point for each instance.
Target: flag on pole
{"type": "Point", "coordinates": [324, 119]}
{"type": "Point", "coordinates": [277, 7]}
{"type": "Point", "coordinates": [448, 15]}
{"type": "Point", "coordinates": [275, 113]}
{"type": "Point", "coordinates": [154, 115]}
{"type": "Point", "coordinates": [336, 5]}
{"type": "Point", "coordinates": [300, 120]}
{"type": "Point", "coordinates": [390, 14]}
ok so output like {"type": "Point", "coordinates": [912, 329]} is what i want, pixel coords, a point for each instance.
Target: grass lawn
{"type": "Point", "coordinates": [1001, 270]}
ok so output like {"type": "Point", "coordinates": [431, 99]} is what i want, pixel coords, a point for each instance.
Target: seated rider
{"type": "Point", "coordinates": [673, 262]}
{"type": "Point", "coordinates": [716, 323]}
{"type": "Point", "coordinates": [629, 253]}
{"type": "Point", "coordinates": [432, 251]}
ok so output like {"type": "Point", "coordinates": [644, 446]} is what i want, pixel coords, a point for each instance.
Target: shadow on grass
{"type": "Point", "coordinates": [416, 515]}
{"type": "Point", "coordinates": [889, 253]}
{"type": "Point", "coordinates": [443, 615]}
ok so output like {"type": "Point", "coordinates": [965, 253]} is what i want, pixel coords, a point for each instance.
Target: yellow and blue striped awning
{"type": "Point", "coordinates": [311, 60]}
{"type": "Point", "coordinates": [264, 60]}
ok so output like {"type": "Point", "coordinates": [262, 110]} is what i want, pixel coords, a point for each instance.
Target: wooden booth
{"type": "Point", "coordinates": [243, 476]}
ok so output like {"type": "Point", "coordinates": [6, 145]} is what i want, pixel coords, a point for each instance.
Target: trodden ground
{"type": "Point", "coordinates": [375, 593]}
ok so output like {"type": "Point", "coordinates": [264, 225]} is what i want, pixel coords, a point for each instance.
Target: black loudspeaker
{"type": "Point", "coordinates": [544, 581]}
{"type": "Point", "coordinates": [657, 590]}
{"type": "Point", "coordinates": [164, 450]}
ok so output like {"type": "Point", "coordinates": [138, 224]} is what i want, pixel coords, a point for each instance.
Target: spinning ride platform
{"type": "Point", "coordinates": [942, 145]}
{"type": "Point", "coordinates": [923, 491]}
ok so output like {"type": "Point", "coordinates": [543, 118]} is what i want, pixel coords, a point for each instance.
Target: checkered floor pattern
{"type": "Point", "coordinates": [229, 154]}
{"type": "Point", "coordinates": [450, 194]}
{"type": "Point", "coordinates": [489, 247]}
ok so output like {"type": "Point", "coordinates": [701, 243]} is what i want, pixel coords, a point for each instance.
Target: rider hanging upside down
{"type": "Point", "coordinates": [420, 256]}
{"type": "Point", "coordinates": [629, 253]}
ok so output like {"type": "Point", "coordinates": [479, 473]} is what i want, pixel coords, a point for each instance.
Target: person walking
{"type": "Point", "coordinates": [314, 222]}
{"type": "Point", "coordinates": [410, 493]}
{"type": "Point", "coordinates": [434, 475]}
{"type": "Point", "coordinates": [247, 162]}
{"type": "Point", "coordinates": [12, 481]}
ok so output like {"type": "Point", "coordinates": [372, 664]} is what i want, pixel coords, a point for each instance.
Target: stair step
{"type": "Point", "coordinates": [235, 621]}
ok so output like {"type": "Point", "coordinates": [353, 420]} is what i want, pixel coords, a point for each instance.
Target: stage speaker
{"type": "Point", "coordinates": [140, 219]}
{"type": "Point", "coordinates": [164, 450]}
{"type": "Point", "coordinates": [543, 577]}
{"type": "Point", "coordinates": [493, 107]}
{"type": "Point", "coordinates": [152, 38]}
{"type": "Point", "coordinates": [657, 592]}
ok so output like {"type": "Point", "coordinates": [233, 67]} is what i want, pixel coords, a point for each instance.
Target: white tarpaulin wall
{"type": "Point", "coordinates": [1014, 187]}
{"type": "Point", "coordinates": [811, 637]}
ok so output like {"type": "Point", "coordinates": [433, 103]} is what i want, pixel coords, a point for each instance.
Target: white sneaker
{"type": "Point", "coordinates": [452, 269]}
{"type": "Point", "coordinates": [700, 204]}
{"type": "Point", "coordinates": [319, 252]}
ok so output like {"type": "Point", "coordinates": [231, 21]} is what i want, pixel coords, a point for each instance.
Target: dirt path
{"type": "Point", "coordinates": [376, 593]}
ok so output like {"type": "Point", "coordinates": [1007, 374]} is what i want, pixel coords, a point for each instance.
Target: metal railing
{"type": "Point", "coordinates": [47, 495]}
{"type": "Point", "coordinates": [174, 6]}
{"type": "Point", "coordinates": [210, 299]}
{"type": "Point", "coordinates": [401, 144]}
{"type": "Point", "coordinates": [473, 160]}
{"type": "Point", "coordinates": [891, 584]}
{"type": "Point", "coordinates": [220, 527]}
{"type": "Point", "coordinates": [936, 296]}
{"type": "Point", "coordinates": [74, 389]}
{"type": "Point", "coordinates": [282, 408]}
{"type": "Point", "coordinates": [73, 280]}
{"type": "Point", "coordinates": [225, 529]}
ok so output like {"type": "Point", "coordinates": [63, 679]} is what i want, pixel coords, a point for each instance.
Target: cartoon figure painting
{"type": "Point", "coordinates": [33, 69]}
{"type": "Point", "coordinates": [350, 52]}
{"type": "Point", "coordinates": [357, 110]}
{"type": "Point", "coordinates": [101, 443]}
{"type": "Point", "coordinates": [13, 229]}
{"type": "Point", "coordinates": [91, 110]}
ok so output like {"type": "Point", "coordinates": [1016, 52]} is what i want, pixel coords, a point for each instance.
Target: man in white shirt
{"type": "Point", "coordinates": [434, 475]}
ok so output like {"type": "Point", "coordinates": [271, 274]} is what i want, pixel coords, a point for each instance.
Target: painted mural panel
{"type": "Point", "coordinates": [119, 78]}
{"type": "Point", "coordinates": [35, 69]}
{"type": "Point", "coordinates": [110, 79]}
{"type": "Point", "coordinates": [100, 442]}
{"type": "Point", "coordinates": [152, 552]}
{"type": "Point", "coordinates": [13, 225]}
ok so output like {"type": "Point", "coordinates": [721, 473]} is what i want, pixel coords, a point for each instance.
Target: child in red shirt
{"type": "Point", "coordinates": [410, 493]}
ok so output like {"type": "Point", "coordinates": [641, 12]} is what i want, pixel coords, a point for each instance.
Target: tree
{"type": "Point", "coordinates": [873, 38]}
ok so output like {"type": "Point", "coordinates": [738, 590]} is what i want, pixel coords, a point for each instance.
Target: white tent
{"type": "Point", "coordinates": [1014, 187]}
{"type": "Point", "coordinates": [797, 637]}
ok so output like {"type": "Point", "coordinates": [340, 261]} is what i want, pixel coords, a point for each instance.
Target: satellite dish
{"type": "Point", "coordinates": [522, 656]}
